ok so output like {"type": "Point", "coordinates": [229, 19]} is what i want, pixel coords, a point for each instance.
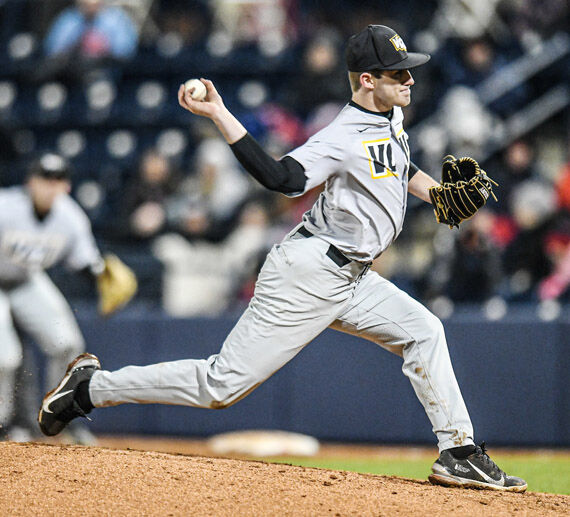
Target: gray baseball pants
{"type": "Point", "coordinates": [40, 310]}
{"type": "Point", "coordinates": [300, 292]}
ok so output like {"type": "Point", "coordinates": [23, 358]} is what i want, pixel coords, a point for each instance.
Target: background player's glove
{"type": "Point", "coordinates": [464, 189]}
{"type": "Point", "coordinates": [116, 285]}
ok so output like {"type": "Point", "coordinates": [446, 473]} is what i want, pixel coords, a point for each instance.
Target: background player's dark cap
{"type": "Point", "coordinates": [51, 166]}
{"type": "Point", "coordinates": [380, 48]}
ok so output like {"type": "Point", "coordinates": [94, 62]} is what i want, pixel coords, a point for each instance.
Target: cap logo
{"type": "Point", "coordinates": [398, 43]}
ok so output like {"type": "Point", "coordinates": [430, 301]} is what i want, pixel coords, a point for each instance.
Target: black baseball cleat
{"type": "Point", "coordinates": [60, 406]}
{"type": "Point", "coordinates": [475, 471]}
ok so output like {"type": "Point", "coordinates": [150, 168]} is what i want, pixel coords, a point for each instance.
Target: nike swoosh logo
{"type": "Point", "coordinates": [45, 405]}
{"type": "Point", "coordinates": [362, 130]}
{"type": "Point", "coordinates": [487, 478]}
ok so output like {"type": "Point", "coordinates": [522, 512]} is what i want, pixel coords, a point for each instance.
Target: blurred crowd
{"type": "Point", "coordinates": [95, 80]}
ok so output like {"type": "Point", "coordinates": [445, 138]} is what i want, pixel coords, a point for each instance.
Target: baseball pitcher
{"type": "Point", "coordinates": [41, 225]}
{"type": "Point", "coordinates": [319, 275]}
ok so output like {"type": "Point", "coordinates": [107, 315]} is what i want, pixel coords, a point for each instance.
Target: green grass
{"type": "Point", "coordinates": [543, 473]}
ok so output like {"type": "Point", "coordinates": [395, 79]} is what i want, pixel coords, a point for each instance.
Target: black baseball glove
{"type": "Point", "coordinates": [464, 189]}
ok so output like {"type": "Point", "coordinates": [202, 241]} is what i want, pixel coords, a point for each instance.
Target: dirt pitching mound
{"type": "Point", "coordinates": [41, 479]}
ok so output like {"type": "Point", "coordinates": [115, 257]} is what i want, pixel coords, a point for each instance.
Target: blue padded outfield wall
{"type": "Point", "coordinates": [514, 375]}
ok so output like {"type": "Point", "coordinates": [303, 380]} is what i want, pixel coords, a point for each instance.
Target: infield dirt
{"type": "Point", "coordinates": [62, 480]}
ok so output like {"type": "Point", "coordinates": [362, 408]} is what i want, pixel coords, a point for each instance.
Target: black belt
{"type": "Point", "coordinates": [333, 252]}
{"type": "Point", "coordinates": [8, 285]}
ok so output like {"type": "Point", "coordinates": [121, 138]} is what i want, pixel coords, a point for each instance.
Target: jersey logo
{"type": "Point", "coordinates": [398, 43]}
{"type": "Point", "coordinates": [30, 250]}
{"type": "Point", "coordinates": [380, 158]}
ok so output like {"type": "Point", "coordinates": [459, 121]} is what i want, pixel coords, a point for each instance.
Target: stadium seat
{"type": "Point", "coordinates": [51, 98]}
{"type": "Point", "coordinates": [22, 46]}
{"type": "Point", "coordinates": [172, 142]}
{"type": "Point", "coordinates": [8, 96]}
{"type": "Point", "coordinates": [100, 96]}
{"type": "Point", "coordinates": [121, 144]}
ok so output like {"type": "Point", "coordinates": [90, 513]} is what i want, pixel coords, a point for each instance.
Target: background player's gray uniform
{"type": "Point", "coordinates": [363, 158]}
{"type": "Point", "coordinates": [28, 297]}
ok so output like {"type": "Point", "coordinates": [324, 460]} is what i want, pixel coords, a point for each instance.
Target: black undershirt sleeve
{"type": "Point", "coordinates": [89, 275]}
{"type": "Point", "coordinates": [413, 169]}
{"type": "Point", "coordinates": [286, 175]}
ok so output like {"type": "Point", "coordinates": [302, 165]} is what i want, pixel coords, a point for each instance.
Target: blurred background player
{"type": "Point", "coordinates": [41, 225]}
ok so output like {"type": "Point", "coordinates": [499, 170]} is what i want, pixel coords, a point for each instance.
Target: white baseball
{"type": "Point", "coordinates": [199, 90]}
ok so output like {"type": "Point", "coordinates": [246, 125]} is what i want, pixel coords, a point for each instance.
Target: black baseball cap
{"type": "Point", "coordinates": [51, 166]}
{"type": "Point", "coordinates": [380, 48]}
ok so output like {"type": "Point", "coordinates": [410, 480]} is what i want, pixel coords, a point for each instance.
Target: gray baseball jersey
{"type": "Point", "coordinates": [363, 157]}
{"type": "Point", "coordinates": [28, 245]}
